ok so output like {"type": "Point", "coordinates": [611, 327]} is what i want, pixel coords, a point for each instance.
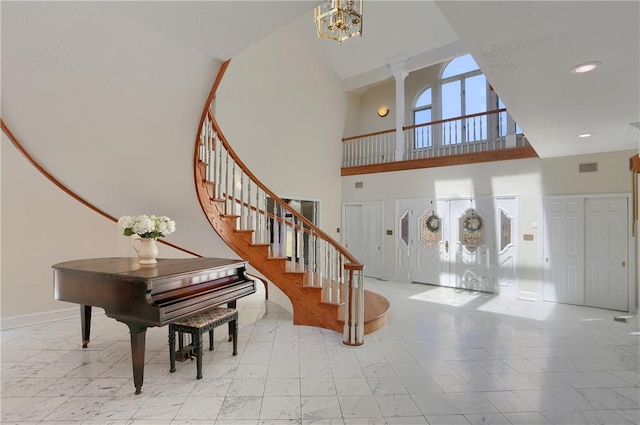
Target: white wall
{"type": "Point", "coordinates": [529, 179]}
{"type": "Point", "coordinates": [284, 110]}
{"type": "Point", "coordinates": [111, 108]}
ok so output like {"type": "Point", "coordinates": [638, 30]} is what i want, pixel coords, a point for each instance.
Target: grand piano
{"type": "Point", "coordinates": [141, 296]}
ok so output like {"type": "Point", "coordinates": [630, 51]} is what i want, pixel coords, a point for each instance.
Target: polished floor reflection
{"type": "Point", "coordinates": [445, 357]}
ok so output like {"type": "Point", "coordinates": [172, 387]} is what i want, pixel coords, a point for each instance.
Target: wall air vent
{"type": "Point", "coordinates": [359, 185]}
{"type": "Point", "coordinates": [591, 167]}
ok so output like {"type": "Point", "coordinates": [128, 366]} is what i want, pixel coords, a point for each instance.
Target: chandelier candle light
{"type": "Point", "coordinates": [147, 228]}
{"type": "Point", "coordinates": [339, 19]}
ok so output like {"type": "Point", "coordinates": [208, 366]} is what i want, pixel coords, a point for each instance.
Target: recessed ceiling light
{"type": "Point", "coordinates": [583, 135]}
{"type": "Point", "coordinates": [585, 67]}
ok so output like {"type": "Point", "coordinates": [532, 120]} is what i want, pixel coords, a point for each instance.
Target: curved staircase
{"type": "Point", "coordinates": [321, 278]}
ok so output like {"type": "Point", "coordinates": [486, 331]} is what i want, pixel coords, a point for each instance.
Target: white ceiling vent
{"type": "Point", "coordinates": [591, 167]}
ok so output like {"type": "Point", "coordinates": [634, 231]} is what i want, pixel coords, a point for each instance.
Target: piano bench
{"type": "Point", "coordinates": [197, 325]}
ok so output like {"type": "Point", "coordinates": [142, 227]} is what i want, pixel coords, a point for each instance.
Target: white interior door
{"type": "Point", "coordinates": [606, 253]}
{"type": "Point", "coordinates": [352, 230]}
{"type": "Point", "coordinates": [362, 235]}
{"type": "Point", "coordinates": [372, 239]}
{"type": "Point", "coordinates": [472, 234]}
{"type": "Point", "coordinates": [563, 250]}
{"type": "Point", "coordinates": [429, 230]}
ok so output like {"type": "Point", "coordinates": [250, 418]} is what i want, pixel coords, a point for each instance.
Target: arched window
{"type": "Point", "coordinates": [422, 115]}
{"type": "Point", "coordinates": [464, 91]}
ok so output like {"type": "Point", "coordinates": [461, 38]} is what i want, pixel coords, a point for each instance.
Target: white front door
{"type": "Point", "coordinates": [507, 249]}
{"type": "Point", "coordinates": [403, 239]}
{"type": "Point", "coordinates": [429, 239]}
{"type": "Point", "coordinates": [563, 250]}
{"type": "Point", "coordinates": [607, 253]}
{"type": "Point", "coordinates": [472, 247]}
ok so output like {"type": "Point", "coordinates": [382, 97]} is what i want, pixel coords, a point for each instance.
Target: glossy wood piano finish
{"type": "Point", "coordinates": [141, 296]}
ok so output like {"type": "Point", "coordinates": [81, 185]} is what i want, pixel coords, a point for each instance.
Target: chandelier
{"type": "Point", "coordinates": [339, 19]}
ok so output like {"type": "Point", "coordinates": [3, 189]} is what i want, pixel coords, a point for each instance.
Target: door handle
{"type": "Point", "coordinates": [446, 247]}
{"type": "Point", "coordinates": [624, 263]}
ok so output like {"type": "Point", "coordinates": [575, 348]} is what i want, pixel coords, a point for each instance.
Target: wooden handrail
{"type": "Point", "coordinates": [68, 191]}
{"type": "Point", "coordinates": [269, 215]}
{"type": "Point", "coordinates": [232, 154]}
{"type": "Point", "coordinates": [375, 133]}
{"type": "Point", "coordinates": [479, 114]}
{"type": "Point", "coordinates": [205, 111]}
{"type": "Point", "coordinates": [409, 127]}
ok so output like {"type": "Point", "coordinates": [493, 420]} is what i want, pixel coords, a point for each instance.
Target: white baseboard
{"type": "Point", "coordinates": [36, 318]}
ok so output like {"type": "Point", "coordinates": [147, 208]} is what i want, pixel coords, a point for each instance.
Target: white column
{"type": "Point", "coordinates": [398, 72]}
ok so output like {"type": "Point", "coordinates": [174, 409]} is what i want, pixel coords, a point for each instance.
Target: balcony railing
{"type": "Point", "coordinates": [474, 133]}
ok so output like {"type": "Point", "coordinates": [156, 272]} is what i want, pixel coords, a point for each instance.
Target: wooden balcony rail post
{"type": "Point", "coordinates": [354, 305]}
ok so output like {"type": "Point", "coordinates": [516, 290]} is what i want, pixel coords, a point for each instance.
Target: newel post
{"type": "Point", "coordinates": [354, 305]}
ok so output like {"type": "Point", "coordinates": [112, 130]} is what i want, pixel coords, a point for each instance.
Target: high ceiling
{"type": "Point", "coordinates": [525, 48]}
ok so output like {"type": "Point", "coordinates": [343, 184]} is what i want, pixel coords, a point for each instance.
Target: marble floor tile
{"type": "Point", "coordinates": [386, 385]}
{"type": "Point", "coordinates": [487, 419]}
{"type": "Point", "coordinates": [320, 407]}
{"type": "Point", "coordinates": [159, 408]}
{"type": "Point", "coordinates": [242, 407]}
{"type": "Point", "coordinates": [365, 406]}
{"type": "Point", "coordinates": [29, 409]}
{"type": "Point", "coordinates": [282, 387]}
{"type": "Point", "coordinates": [352, 386]}
{"type": "Point", "coordinates": [447, 420]}
{"type": "Point", "coordinates": [200, 408]}
{"type": "Point", "coordinates": [397, 406]}
{"type": "Point", "coordinates": [281, 408]}
{"type": "Point", "coordinates": [246, 387]}
{"type": "Point", "coordinates": [439, 360]}
{"type": "Point", "coordinates": [318, 387]}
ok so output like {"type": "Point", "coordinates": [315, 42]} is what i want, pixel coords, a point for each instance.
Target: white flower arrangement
{"type": "Point", "coordinates": [146, 226]}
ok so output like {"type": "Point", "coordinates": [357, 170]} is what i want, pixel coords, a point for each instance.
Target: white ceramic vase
{"type": "Point", "coordinates": [147, 250]}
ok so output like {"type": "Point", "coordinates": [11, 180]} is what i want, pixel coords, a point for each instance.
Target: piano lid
{"type": "Point", "coordinates": [129, 268]}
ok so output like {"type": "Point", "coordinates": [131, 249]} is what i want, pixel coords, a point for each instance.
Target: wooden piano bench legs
{"type": "Point", "coordinates": [197, 325]}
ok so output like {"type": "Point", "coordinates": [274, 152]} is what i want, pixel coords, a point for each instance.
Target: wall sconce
{"type": "Point", "coordinates": [383, 111]}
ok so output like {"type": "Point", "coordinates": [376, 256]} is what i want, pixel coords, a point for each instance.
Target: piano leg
{"type": "Point", "coordinates": [85, 322]}
{"type": "Point", "coordinates": [231, 304]}
{"type": "Point", "coordinates": [138, 335]}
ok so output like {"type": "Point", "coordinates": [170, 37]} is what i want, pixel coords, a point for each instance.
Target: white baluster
{"type": "Point", "coordinates": [226, 184]}
{"type": "Point", "coordinates": [311, 258]}
{"type": "Point", "coordinates": [301, 245]}
{"type": "Point", "coordinates": [338, 276]}
{"type": "Point", "coordinates": [330, 275]}
{"type": "Point", "coordinates": [321, 261]}
{"type": "Point", "coordinates": [346, 332]}
{"type": "Point", "coordinates": [241, 205]}
{"type": "Point", "coordinates": [233, 189]}
{"type": "Point", "coordinates": [276, 231]}
{"type": "Point", "coordinates": [255, 217]}
{"type": "Point", "coordinates": [265, 217]}
{"type": "Point", "coordinates": [212, 155]}
{"type": "Point", "coordinates": [360, 324]}
{"type": "Point", "coordinates": [218, 174]}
